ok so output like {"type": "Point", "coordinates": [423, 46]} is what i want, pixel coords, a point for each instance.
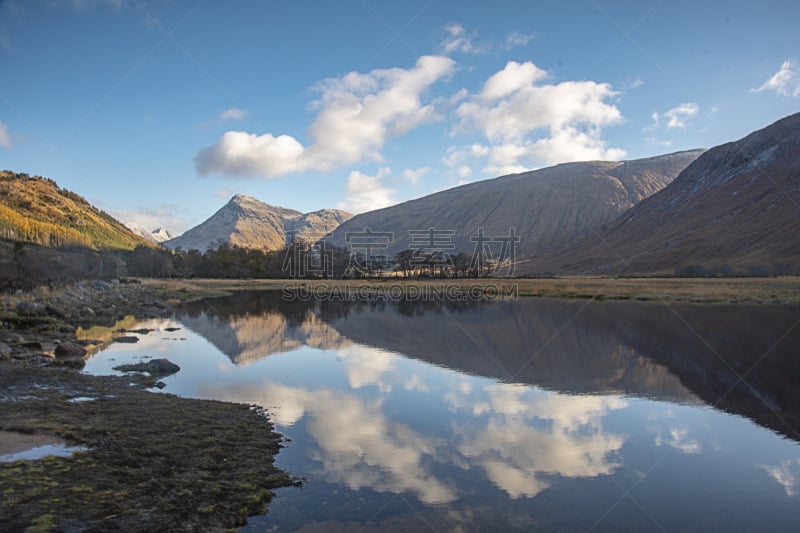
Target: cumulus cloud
{"type": "Point", "coordinates": [366, 193]}
{"type": "Point", "coordinates": [5, 136]}
{"type": "Point", "coordinates": [413, 176]}
{"type": "Point", "coordinates": [785, 82]}
{"type": "Point", "coordinates": [675, 118]}
{"type": "Point", "coordinates": [233, 113]}
{"type": "Point", "coordinates": [458, 39]}
{"type": "Point", "coordinates": [357, 114]}
{"type": "Point", "coordinates": [516, 38]}
{"type": "Point", "coordinates": [516, 106]}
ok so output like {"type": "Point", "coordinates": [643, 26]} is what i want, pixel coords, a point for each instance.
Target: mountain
{"type": "Point", "coordinates": [158, 235]}
{"type": "Point", "coordinates": [37, 210]}
{"type": "Point", "coordinates": [247, 222]}
{"type": "Point", "coordinates": [547, 207]}
{"type": "Point", "coordinates": [735, 209]}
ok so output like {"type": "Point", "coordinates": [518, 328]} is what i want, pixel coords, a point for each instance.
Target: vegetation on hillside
{"type": "Point", "coordinates": [38, 211]}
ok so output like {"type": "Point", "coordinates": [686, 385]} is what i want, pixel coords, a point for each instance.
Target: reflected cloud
{"type": "Point", "coordinates": [786, 474]}
{"type": "Point", "coordinates": [678, 438]}
{"type": "Point", "coordinates": [356, 444]}
{"type": "Point", "coordinates": [530, 435]}
{"type": "Point", "coordinates": [366, 366]}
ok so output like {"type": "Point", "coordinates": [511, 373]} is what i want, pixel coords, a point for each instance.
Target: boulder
{"type": "Point", "coordinates": [154, 367]}
{"type": "Point", "coordinates": [69, 349]}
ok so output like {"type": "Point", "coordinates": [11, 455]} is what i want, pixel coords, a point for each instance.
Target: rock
{"type": "Point", "coordinates": [69, 349]}
{"type": "Point", "coordinates": [171, 329]}
{"type": "Point", "coordinates": [154, 367]}
{"type": "Point", "coordinates": [14, 338]}
{"type": "Point", "coordinates": [29, 308]}
{"type": "Point", "coordinates": [87, 311]}
{"type": "Point", "coordinates": [127, 339]}
{"type": "Point", "coordinates": [57, 312]}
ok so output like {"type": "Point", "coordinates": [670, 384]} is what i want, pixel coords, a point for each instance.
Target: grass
{"type": "Point", "coordinates": [695, 290]}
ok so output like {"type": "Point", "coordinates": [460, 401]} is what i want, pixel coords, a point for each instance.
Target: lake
{"type": "Point", "coordinates": [505, 415]}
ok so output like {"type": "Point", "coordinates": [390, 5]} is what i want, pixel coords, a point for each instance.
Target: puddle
{"type": "Point", "coordinates": [18, 446]}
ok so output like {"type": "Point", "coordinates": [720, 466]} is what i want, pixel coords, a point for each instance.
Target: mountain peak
{"type": "Point", "coordinates": [250, 223]}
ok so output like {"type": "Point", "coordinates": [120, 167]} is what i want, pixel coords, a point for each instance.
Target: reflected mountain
{"type": "Point", "coordinates": [678, 353]}
{"type": "Point", "coordinates": [250, 326]}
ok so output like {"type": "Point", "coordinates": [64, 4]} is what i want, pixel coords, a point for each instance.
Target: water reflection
{"type": "Point", "coordinates": [508, 415]}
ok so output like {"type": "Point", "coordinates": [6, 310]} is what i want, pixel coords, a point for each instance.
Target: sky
{"type": "Point", "coordinates": [159, 111]}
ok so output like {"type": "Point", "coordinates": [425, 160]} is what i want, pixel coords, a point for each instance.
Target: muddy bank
{"type": "Point", "coordinates": [151, 461]}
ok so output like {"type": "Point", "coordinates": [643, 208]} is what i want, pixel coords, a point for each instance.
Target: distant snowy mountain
{"type": "Point", "coordinates": [158, 235]}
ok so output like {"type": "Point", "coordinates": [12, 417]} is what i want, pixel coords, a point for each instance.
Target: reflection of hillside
{"type": "Point", "coordinates": [251, 329]}
{"type": "Point", "coordinates": [710, 347]}
{"type": "Point", "coordinates": [676, 353]}
{"type": "Point", "coordinates": [542, 342]}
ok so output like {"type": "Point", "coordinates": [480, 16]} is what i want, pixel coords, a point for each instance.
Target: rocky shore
{"type": "Point", "coordinates": [146, 461]}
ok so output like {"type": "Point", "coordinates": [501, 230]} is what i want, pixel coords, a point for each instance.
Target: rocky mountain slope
{"type": "Point", "coordinates": [735, 209]}
{"type": "Point", "coordinates": [37, 210]}
{"type": "Point", "coordinates": [250, 223]}
{"type": "Point", "coordinates": [158, 235]}
{"type": "Point", "coordinates": [547, 207]}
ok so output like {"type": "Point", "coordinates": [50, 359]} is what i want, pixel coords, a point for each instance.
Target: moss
{"type": "Point", "coordinates": [155, 461]}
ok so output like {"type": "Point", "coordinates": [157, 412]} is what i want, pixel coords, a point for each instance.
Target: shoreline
{"type": "Point", "coordinates": [141, 447]}
{"type": "Point", "coordinates": [146, 460]}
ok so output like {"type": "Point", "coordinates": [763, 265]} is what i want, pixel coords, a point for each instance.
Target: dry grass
{"type": "Point", "coordinates": [706, 290]}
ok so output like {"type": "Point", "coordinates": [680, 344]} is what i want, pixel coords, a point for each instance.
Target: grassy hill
{"type": "Point", "coordinates": [37, 210]}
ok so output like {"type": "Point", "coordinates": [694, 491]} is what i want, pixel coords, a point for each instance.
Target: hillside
{"type": "Point", "coordinates": [547, 207]}
{"type": "Point", "coordinates": [250, 223]}
{"type": "Point", "coordinates": [37, 210]}
{"type": "Point", "coordinates": [735, 209]}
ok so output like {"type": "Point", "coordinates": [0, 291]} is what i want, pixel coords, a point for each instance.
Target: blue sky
{"type": "Point", "coordinates": [159, 111]}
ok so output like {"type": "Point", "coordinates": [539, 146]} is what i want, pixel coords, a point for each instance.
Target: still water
{"type": "Point", "coordinates": [506, 415]}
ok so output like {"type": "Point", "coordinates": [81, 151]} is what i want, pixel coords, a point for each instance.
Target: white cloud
{"type": "Point", "coordinates": [357, 114]}
{"type": "Point", "coordinates": [459, 39]}
{"type": "Point", "coordinates": [5, 136]}
{"type": "Point", "coordinates": [516, 38]}
{"type": "Point", "coordinates": [515, 107]}
{"type": "Point", "coordinates": [635, 83]}
{"type": "Point", "coordinates": [162, 217]}
{"type": "Point", "coordinates": [785, 82]}
{"type": "Point", "coordinates": [414, 176]}
{"type": "Point", "coordinates": [233, 113]}
{"type": "Point", "coordinates": [464, 171]}
{"type": "Point", "coordinates": [366, 193]}
{"type": "Point", "coordinates": [675, 118]}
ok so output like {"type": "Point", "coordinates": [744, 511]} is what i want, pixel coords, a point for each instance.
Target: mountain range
{"type": "Point", "coordinates": [734, 209]}
{"type": "Point", "coordinates": [729, 210]}
{"type": "Point", "coordinates": [250, 223]}
{"type": "Point", "coordinates": [547, 207]}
